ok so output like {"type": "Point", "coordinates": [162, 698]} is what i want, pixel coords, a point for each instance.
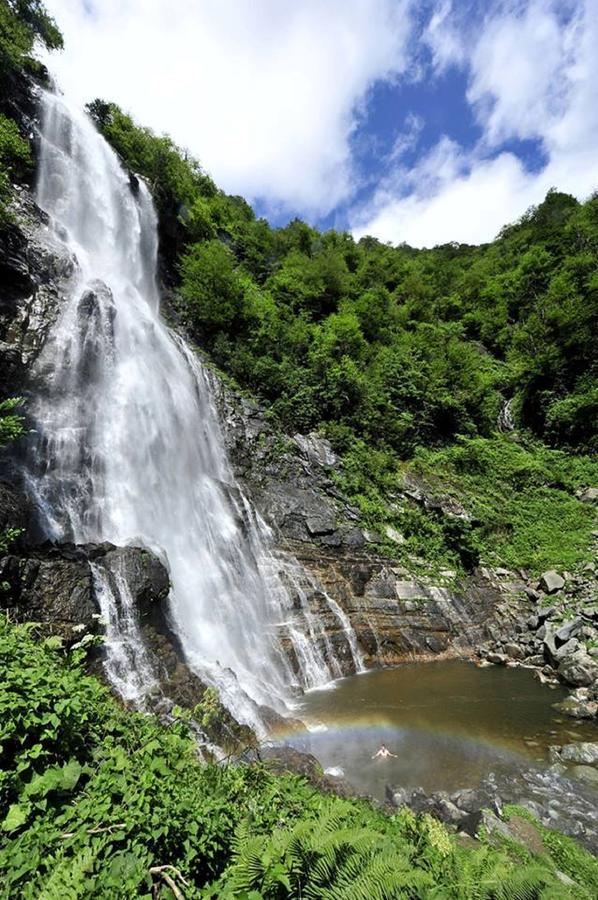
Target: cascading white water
{"type": "Point", "coordinates": [129, 449]}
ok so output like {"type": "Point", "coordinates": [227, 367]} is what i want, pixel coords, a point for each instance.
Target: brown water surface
{"type": "Point", "coordinates": [451, 724]}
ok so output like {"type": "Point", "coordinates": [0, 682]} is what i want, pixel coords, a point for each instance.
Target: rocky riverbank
{"type": "Point", "coordinates": [555, 632]}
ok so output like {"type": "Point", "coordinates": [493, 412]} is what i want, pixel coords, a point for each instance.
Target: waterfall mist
{"type": "Point", "coordinates": [128, 448]}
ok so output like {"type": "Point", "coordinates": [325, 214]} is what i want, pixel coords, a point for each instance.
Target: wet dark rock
{"type": "Point", "coordinates": [282, 759]}
{"type": "Point", "coordinates": [51, 588]}
{"type": "Point", "coordinates": [146, 577]}
{"type": "Point", "coordinates": [34, 271]}
{"type": "Point", "coordinates": [53, 583]}
{"type": "Point", "coordinates": [15, 508]}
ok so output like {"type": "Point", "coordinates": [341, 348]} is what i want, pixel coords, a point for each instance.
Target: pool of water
{"type": "Point", "coordinates": [451, 726]}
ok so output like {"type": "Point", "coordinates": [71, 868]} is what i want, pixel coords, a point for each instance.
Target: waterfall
{"type": "Point", "coordinates": [128, 448]}
{"type": "Point", "coordinates": [505, 421]}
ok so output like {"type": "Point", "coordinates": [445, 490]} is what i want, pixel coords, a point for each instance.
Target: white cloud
{"type": "Point", "coordinates": [407, 138]}
{"type": "Point", "coordinates": [444, 39]}
{"type": "Point", "coordinates": [532, 75]}
{"type": "Point", "coordinates": [265, 93]}
{"type": "Point", "coordinates": [519, 73]}
{"type": "Point", "coordinates": [449, 199]}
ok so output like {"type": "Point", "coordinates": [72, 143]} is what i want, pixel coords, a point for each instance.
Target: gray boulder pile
{"type": "Point", "coordinates": [557, 634]}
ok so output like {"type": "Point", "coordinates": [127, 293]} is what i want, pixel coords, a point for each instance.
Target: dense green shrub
{"type": "Point", "coordinates": [438, 336]}
{"type": "Point", "coordinates": [15, 161]}
{"type": "Point", "coordinates": [522, 498]}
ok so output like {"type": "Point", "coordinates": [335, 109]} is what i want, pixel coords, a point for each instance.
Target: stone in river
{"type": "Point", "coordinates": [583, 752]}
{"type": "Point", "coordinates": [586, 773]}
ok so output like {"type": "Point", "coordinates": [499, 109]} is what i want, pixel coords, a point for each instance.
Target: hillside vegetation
{"type": "Point", "coordinates": [405, 359]}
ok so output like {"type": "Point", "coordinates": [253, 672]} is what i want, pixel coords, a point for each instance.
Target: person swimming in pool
{"type": "Point", "coordinates": [384, 753]}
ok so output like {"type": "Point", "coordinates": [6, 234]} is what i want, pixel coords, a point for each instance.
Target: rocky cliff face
{"type": "Point", "coordinates": [494, 615]}
{"type": "Point", "coordinates": [395, 613]}
{"type": "Point", "coordinates": [34, 271]}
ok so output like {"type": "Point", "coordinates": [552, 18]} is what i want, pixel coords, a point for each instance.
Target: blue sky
{"type": "Point", "coordinates": [422, 122]}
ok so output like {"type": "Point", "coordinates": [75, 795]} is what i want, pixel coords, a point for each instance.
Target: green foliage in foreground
{"type": "Point", "coordinates": [96, 801]}
{"type": "Point", "coordinates": [566, 853]}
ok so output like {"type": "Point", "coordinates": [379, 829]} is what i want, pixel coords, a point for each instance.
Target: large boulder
{"type": "Point", "coordinates": [551, 582]}
{"type": "Point", "coordinates": [586, 773]}
{"type": "Point", "coordinates": [578, 670]}
{"type": "Point", "coordinates": [282, 759]}
{"type": "Point", "coordinates": [53, 584]}
{"type": "Point", "coordinates": [556, 653]}
{"type": "Point", "coordinates": [144, 573]}
{"type": "Point", "coordinates": [568, 630]}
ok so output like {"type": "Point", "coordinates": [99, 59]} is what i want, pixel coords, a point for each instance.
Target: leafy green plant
{"type": "Point", "coordinates": [11, 422]}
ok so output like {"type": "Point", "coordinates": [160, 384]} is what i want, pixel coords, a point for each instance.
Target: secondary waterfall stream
{"type": "Point", "coordinates": [128, 447]}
